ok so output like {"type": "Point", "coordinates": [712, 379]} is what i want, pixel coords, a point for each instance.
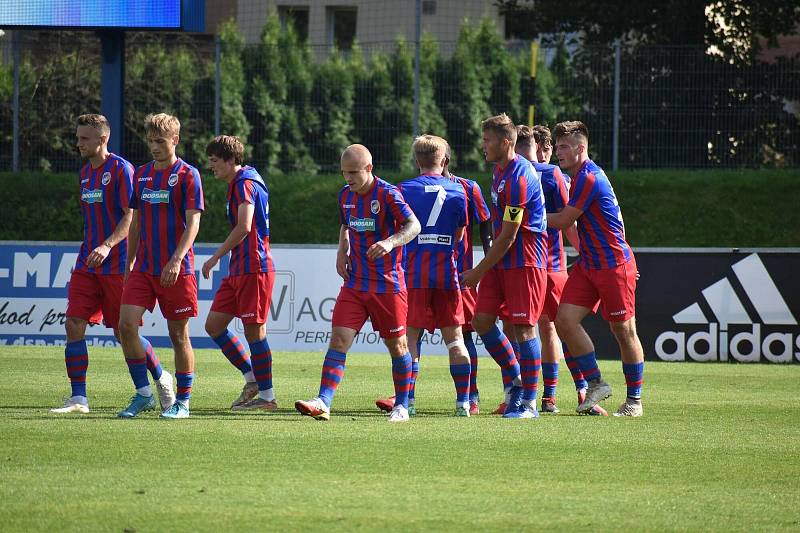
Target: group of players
{"type": "Point", "coordinates": [405, 255]}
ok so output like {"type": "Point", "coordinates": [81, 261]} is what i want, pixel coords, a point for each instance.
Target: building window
{"type": "Point", "coordinates": [298, 17]}
{"type": "Point", "coordinates": [342, 26]}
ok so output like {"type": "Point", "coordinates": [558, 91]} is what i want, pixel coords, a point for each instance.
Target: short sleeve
{"type": "Point", "coordinates": [480, 211]}
{"type": "Point", "coordinates": [397, 205]}
{"type": "Point", "coordinates": [583, 191]}
{"type": "Point", "coordinates": [125, 185]}
{"type": "Point", "coordinates": [561, 193]}
{"type": "Point", "coordinates": [193, 196]}
{"type": "Point", "coordinates": [244, 192]}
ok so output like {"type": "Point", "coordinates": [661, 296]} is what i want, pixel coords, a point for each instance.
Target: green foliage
{"type": "Point", "coordinates": [333, 96]}
{"type": "Point", "coordinates": [233, 84]}
{"type": "Point", "coordinates": [661, 208]}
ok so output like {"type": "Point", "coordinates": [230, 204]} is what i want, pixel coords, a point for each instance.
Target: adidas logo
{"type": "Point", "coordinates": [718, 341]}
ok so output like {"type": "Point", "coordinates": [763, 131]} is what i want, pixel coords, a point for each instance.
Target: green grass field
{"type": "Point", "coordinates": [717, 449]}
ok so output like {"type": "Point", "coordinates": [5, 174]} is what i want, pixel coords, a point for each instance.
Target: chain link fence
{"type": "Point", "coordinates": [297, 105]}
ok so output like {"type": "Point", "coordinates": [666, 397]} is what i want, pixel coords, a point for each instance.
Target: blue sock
{"type": "Point", "coordinates": [550, 378]}
{"type": "Point", "coordinates": [138, 371]}
{"type": "Point", "coordinates": [473, 363]}
{"type": "Point", "coordinates": [412, 391]}
{"type": "Point", "coordinates": [460, 375]}
{"type": "Point", "coordinates": [76, 358]}
{"type": "Point", "coordinates": [633, 378]}
{"type": "Point", "coordinates": [588, 365]}
{"type": "Point", "coordinates": [501, 350]}
{"type": "Point", "coordinates": [233, 350]}
{"type": "Point", "coordinates": [185, 380]}
{"type": "Point", "coordinates": [153, 364]}
{"type": "Point", "coordinates": [401, 375]}
{"type": "Point", "coordinates": [261, 363]}
{"type": "Point", "coordinates": [332, 372]}
{"type": "Point", "coordinates": [530, 364]}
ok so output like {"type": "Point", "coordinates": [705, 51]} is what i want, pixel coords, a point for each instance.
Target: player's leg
{"type": "Point", "coordinates": [135, 358]}
{"type": "Point", "coordinates": [617, 293]}
{"type": "Point", "coordinates": [468, 297]}
{"type": "Point", "coordinates": [349, 315]}
{"type": "Point", "coordinates": [184, 367]}
{"type": "Point", "coordinates": [83, 306]}
{"type": "Point", "coordinates": [530, 360]}
{"type": "Point", "coordinates": [490, 300]}
{"type": "Point", "coordinates": [414, 340]}
{"type": "Point", "coordinates": [580, 298]}
{"type": "Point", "coordinates": [223, 311]}
{"type": "Point", "coordinates": [253, 296]}
{"type": "Point", "coordinates": [401, 375]}
{"type": "Point", "coordinates": [551, 354]}
{"type": "Point", "coordinates": [111, 287]}
{"type": "Point", "coordinates": [460, 367]}
{"type": "Point", "coordinates": [233, 349]}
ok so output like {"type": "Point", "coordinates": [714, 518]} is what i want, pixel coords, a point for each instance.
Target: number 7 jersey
{"type": "Point", "coordinates": [440, 205]}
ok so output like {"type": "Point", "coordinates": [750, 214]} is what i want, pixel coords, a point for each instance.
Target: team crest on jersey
{"type": "Point", "coordinates": [106, 178]}
{"type": "Point", "coordinates": [375, 207]}
{"type": "Point", "coordinates": [501, 185]}
{"type": "Point", "coordinates": [173, 179]}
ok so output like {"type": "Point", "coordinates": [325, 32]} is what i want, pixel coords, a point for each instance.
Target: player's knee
{"type": "Point", "coordinates": [398, 347]}
{"type": "Point", "coordinates": [179, 335]}
{"type": "Point", "coordinates": [482, 324]}
{"type": "Point", "coordinates": [213, 329]}
{"type": "Point", "coordinates": [564, 324]}
{"type": "Point", "coordinates": [255, 332]}
{"type": "Point", "coordinates": [547, 328]}
{"type": "Point", "coordinates": [624, 332]}
{"type": "Point", "coordinates": [75, 328]}
{"type": "Point", "coordinates": [128, 329]}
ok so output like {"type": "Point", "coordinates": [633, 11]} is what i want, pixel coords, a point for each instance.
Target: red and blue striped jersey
{"type": "Point", "coordinates": [252, 254]}
{"type": "Point", "coordinates": [518, 185]}
{"type": "Point", "coordinates": [477, 213]}
{"type": "Point", "coordinates": [600, 227]}
{"type": "Point", "coordinates": [162, 198]}
{"type": "Point", "coordinates": [440, 205]}
{"type": "Point", "coordinates": [373, 217]}
{"type": "Point", "coordinates": [556, 196]}
{"type": "Point", "coordinates": [105, 194]}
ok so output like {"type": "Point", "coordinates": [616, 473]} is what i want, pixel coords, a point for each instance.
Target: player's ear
{"type": "Point", "coordinates": [369, 168]}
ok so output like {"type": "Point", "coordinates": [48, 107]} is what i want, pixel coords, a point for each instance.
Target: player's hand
{"type": "Point", "coordinates": [343, 266]}
{"type": "Point", "coordinates": [170, 273]}
{"type": "Point", "coordinates": [208, 266]}
{"type": "Point", "coordinates": [471, 278]}
{"type": "Point", "coordinates": [379, 249]}
{"type": "Point", "coordinates": [98, 255]}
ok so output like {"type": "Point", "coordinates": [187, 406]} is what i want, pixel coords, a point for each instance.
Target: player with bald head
{"type": "Point", "coordinates": [376, 223]}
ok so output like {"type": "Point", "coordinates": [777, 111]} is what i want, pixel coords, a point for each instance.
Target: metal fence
{"type": "Point", "coordinates": [665, 107]}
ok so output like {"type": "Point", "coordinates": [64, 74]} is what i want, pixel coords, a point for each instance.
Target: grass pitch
{"type": "Point", "coordinates": [717, 449]}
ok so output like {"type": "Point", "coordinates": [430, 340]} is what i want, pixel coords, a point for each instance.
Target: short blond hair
{"type": "Point", "coordinates": [502, 126]}
{"type": "Point", "coordinates": [161, 125]}
{"type": "Point", "coordinates": [98, 122]}
{"type": "Point", "coordinates": [429, 150]}
{"type": "Point", "coordinates": [525, 134]}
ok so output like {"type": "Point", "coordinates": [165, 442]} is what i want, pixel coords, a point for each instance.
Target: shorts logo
{"type": "Point", "coordinates": [173, 179]}
{"type": "Point", "coordinates": [183, 309]}
{"type": "Point", "coordinates": [362, 224]}
{"type": "Point", "coordinates": [92, 196]}
{"type": "Point", "coordinates": [375, 207]}
{"type": "Point", "coordinates": [248, 315]}
{"type": "Point", "coordinates": [431, 238]}
{"type": "Point", "coordinates": [395, 330]}
{"type": "Point", "coordinates": [617, 313]}
{"type": "Point", "coordinates": [519, 315]}
{"type": "Point", "coordinates": [155, 197]}
{"type": "Point", "coordinates": [106, 178]}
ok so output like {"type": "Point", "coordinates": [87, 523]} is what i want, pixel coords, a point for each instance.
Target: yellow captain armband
{"type": "Point", "coordinates": [513, 214]}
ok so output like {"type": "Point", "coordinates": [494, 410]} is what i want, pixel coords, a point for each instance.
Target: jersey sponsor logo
{"type": "Point", "coordinates": [719, 340]}
{"type": "Point", "coordinates": [173, 179]}
{"type": "Point", "coordinates": [106, 178]}
{"type": "Point", "coordinates": [362, 224]}
{"type": "Point", "coordinates": [432, 238]}
{"type": "Point", "coordinates": [155, 196]}
{"type": "Point", "coordinates": [375, 207]}
{"type": "Point", "coordinates": [92, 196]}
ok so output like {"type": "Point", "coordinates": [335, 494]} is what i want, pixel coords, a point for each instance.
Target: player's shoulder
{"type": "Point", "coordinates": [121, 162]}
{"type": "Point", "coordinates": [143, 169]}
{"type": "Point", "coordinates": [382, 184]}
{"type": "Point", "coordinates": [546, 170]}
{"type": "Point", "coordinates": [186, 168]}
{"type": "Point", "coordinates": [248, 176]}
